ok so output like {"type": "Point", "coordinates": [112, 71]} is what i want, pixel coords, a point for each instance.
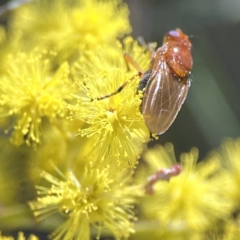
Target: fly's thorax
{"type": "Point", "coordinates": [179, 59]}
{"type": "Point", "coordinates": [177, 36]}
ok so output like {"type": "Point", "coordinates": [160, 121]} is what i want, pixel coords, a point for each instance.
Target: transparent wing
{"type": "Point", "coordinates": [163, 98]}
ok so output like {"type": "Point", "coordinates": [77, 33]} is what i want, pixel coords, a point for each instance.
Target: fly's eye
{"type": "Point", "coordinates": [174, 34]}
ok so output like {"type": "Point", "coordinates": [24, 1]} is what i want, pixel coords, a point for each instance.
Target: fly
{"type": "Point", "coordinates": [166, 83]}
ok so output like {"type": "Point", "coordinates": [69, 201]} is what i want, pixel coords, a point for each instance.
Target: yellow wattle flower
{"type": "Point", "coordinates": [69, 26]}
{"type": "Point", "coordinates": [32, 90]}
{"type": "Point", "coordinates": [89, 198]}
{"type": "Point", "coordinates": [5, 49]}
{"type": "Point", "coordinates": [229, 154]}
{"type": "Point", "coordinates": [19, 237]}
{"type": "Point", "coordinates": [196, 198]}
{"type": "Point", "coordinates": [114, 125]}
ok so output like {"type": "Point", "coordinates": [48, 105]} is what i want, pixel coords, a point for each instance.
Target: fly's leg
{"type": "Point", "coordinates": [150, 46]}
{"type": "Point", "coordinates": [145, 76]}
{"type": "Point", "coordinates": [129, 61]}
{"type": "Point", "coordinates": [139, 74]}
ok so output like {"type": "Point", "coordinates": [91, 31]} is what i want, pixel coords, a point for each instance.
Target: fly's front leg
{"type": "Point", "coordinates": [151, 47]}
{"type": "Point", "coordinates": [130, 61]}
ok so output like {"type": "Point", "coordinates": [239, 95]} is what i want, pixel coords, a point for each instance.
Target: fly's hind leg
{"type": "Point", "coordinates": [129, 61]}
{"type": "Point", "coordinates": [120, 88]}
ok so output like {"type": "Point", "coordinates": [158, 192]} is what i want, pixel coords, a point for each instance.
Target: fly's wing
{"type": "Point", "coordinates": [163, 98]}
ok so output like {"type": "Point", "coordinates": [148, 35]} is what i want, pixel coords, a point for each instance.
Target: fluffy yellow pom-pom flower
{"type": "Point", "coordinates": [69, 26]}
{"type": "Point", "coordinates": [91, 198]}
{"type": "Point", "coordinates": [114, 124]}
{"type": "Point", "coordinates": [19, 237]}
{"type": "Point", "coordinates": [32, 90]}
{"type": "Point", "coordinates": [194, 199]}
{"type": "Point", "coordinates": [229, 155]}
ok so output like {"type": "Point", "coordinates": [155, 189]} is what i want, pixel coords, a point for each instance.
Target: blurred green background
{"type": "Point", "coordinates": [211, 111]}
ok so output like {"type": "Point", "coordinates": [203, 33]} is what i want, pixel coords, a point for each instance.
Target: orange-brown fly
{"type": "Point", "coordinates": [166, 83]}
